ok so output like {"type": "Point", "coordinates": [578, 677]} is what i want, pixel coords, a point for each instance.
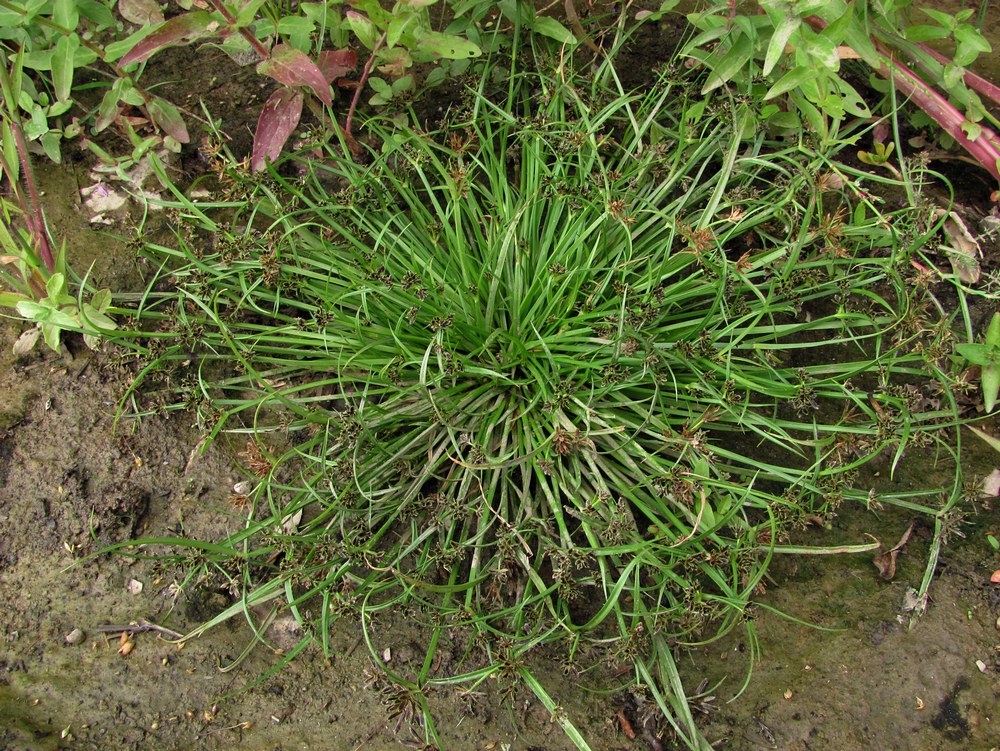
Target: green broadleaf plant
{"type": "Point", "coordinates": [987, 356]}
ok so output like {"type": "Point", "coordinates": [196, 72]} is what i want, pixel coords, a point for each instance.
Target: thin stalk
{"type": "Point", "coordinates": [35, 219]}
{"type": "Point", "coordinates": [244, 32]}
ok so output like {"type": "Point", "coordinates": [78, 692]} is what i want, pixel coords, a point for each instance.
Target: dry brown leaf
{"type": "Point", "coordinates": [964, 251]}
{"type": "Point", "coordinates": [991, 485]}
{"type": "Point", "coordinates": [885, 561]}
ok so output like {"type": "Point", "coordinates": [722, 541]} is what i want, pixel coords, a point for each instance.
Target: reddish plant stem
{"type": "Point", "coordinates": [361, 85]}
{"type": "Point", "coordinates": [987, 88]}
{"type": "Point", "coordinates": [245, 33]}
{"type": "Point", "coordinates": [34, 218]}
{"type": "Point", "coordinates": [985, 147]}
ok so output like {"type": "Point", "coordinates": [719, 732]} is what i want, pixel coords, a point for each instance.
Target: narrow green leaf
{"type": "Point", "coordinates": [62, 65]}
{"type": "Point", "coordinates": [776, 47]}
{"type": "Point", "coordinates": [791, 80]}
{"type": "Point", "coordinates": [734, 62]}
{"type": "Point", "coordinates": [447, 46]}
{"type": "Point", "coordinates": [553, 29]}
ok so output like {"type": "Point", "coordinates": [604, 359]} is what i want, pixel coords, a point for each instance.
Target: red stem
{"type": "Point", "coordinates": [987, 88]}
{"type": "Point", "coordinates": [361, 84]}
{"type": "Point", "coordinates": [231, 19]}
{"type": "Point", "coordinates": [985, 147]}
{"type": "Point", "coordinates": [35, 219]}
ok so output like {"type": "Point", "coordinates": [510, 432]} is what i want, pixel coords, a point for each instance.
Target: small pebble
{"type": "Point", "coordinates": [75, 636]}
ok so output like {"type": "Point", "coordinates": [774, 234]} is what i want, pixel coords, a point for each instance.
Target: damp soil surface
{"type": "Point", "coordinates": [836, 662]}
{"type": "Point", "coordinates": [76, 477]}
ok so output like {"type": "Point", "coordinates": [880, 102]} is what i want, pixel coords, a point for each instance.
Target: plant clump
{"type": "Point", "coordinates": [566, 370]}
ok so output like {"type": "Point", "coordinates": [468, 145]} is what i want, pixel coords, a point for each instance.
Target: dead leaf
{"type": "Point", "coordinates": [290, 523]}
{"type": "Point", "coordinates": [964, 251]}
{"type": "Point", "coordinates": [991, 485]}
{"type": "Point", "coordinates": [26, 341]}
{"type": "Point", "coordinates": [885, 562]}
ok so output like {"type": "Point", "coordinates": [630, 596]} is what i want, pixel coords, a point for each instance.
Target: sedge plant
{"type": "Point", "coordinates": [564, 372]}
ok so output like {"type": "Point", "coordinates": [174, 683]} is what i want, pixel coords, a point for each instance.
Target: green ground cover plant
{"type": "Point", "coordinates": [797, 56]}
{"type": "Point", "coordinates": [565, 373]}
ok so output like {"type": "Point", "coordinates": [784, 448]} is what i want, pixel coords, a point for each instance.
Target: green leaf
{"type": "Point", "coordinates": [970, 45]}
{"type": "Point", "coordinates": [96, 12]}
{"type": "Point", "coordinates": [923, 32]}
{"type": "Point", "coordinates": [168, 119]}
{"type": "Point", "coordinates": [50, 143]}
{"type": "Point", "coordinates": [446, 45]}
{"type": "Point", "coordinates": [298, 30]}
{"type": "Point", "coordinates": [993, 332]}
{"type": "Point", "coordinates": [363, 29]}
{"type": "Point", "coordinates": [973, 352]}
{"type": "Point", "coordinates": [821, 50]}
{"type": "Point", "coordinates": [55, 289]}
{"type": "Point", "coordinates": [776, 47]}
{"type": "Point", "coordinates": [397, 27]}
{"type": "Point", "coordinates": [40, 60]}
{"type": "Point", "coordinates": [793, 79]}
{"type": "Point", "coordinates": [62, 65]}
{"type": "Point", "coordinates": [991, 386]}
{"type": "Point", "coordinates": [944, 19]}
{"type": "Point", "coordinates": [65, 14]}
{"type": "Point", "coordinates": [32, 310]}
{"type": "Point", "coordinates": [553, 29]}
{"type": "Point", "coordinates": [248, 12]}
{"type": "Point", "coordinates": [734, 62]}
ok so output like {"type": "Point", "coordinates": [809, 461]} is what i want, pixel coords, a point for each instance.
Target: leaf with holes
{"type": "Point", "coordinates": [277, 121]}
{"type": "Point", "coordinates": [293, 67]}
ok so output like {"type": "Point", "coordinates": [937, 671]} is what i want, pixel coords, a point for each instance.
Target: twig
{"type": "Point", "coordinates": [140, 627]}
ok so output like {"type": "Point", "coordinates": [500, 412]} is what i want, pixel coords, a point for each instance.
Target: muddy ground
{"type": "Point", "coordinates": [75, 478]}
{"type": "Point", "coordinates": [76, 475]}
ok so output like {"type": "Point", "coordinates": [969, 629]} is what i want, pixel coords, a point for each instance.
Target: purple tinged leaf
{"type": "Point", "coordinates": [277, 121]}
{"type": "Point", "coordinates": [167, 118]}
{"type": "Point", "coordinates": [183, 28]}
{"type": "Point", "coordinates": [140, 12]}
{"type": "Point", "coordinates": [293, 67]}
{"type": "Point", "coordinates": [335, 63]}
